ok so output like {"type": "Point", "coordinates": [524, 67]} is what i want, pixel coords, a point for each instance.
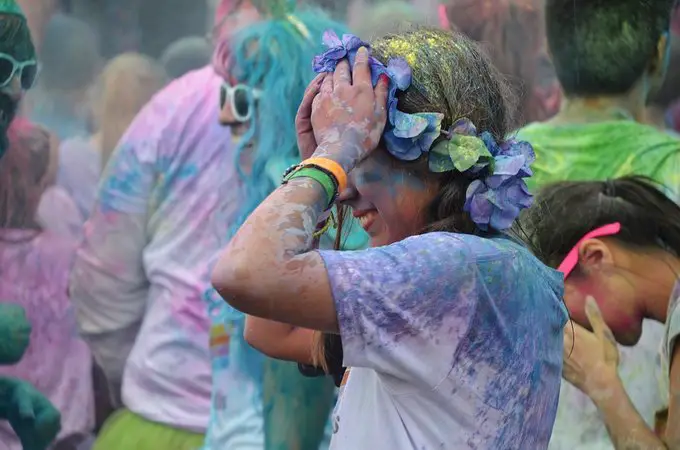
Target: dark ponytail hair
{"type": "Point", "coordinates": [564, 212]}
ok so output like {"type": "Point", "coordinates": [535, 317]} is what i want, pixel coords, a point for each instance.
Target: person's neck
{"type": "Point", "coordinates": [661, 272]}
{"type": "Point", "coordinates": [584, 110]}
{"type": "Point", "coordinates": [656, 117]}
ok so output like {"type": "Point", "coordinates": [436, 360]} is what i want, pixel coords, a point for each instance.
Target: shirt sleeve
{"type": "Point", "coordinates": [672, 328]}
{"type": "Point", "coordinates": [108, 285]}
{"type": "Point", "coordinates": [669, 176]}
{"type": "Point", "coordinates": [393, 307]}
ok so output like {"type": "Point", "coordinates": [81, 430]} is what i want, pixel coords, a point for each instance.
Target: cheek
{"type": "Point", "coordinates": [615, 303]}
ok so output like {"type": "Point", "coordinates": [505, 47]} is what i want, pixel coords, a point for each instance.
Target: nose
{"type": "Point", "coordinates": [13, 89]}
{"type": "Point", "coordinates": [226, 114]}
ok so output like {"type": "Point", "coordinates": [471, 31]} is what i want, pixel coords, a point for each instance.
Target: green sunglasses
{"type": "Point", "coordinates": [10, 67]}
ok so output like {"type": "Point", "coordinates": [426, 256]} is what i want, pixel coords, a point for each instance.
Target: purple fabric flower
{"type": "Point", "coordinates": [496, 200]}
{"type": "Point", "coordinates": [497, 206]}
{"type": "Point", "coordinates": [406, 136]}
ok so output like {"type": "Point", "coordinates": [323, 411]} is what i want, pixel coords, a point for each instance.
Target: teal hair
{"type": "Point", "coordinates": [274, 56]}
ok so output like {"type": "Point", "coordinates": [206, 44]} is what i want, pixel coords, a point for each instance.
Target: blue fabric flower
{"type": "Point", "coordinates": [406, 136]}
{"type": "Point", "coordinates": [496, 200]}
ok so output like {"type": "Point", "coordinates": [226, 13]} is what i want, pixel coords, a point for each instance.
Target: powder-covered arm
{"type": "Point", "coordinates": [593, 368]}
{"type": "Point", "coordinates": [108, 285]}
{"type": "Point", "coordinates": [269, 270]}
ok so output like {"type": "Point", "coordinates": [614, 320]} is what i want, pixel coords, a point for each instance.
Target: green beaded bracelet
{"type": "Point", "coordinates": [320, 176]}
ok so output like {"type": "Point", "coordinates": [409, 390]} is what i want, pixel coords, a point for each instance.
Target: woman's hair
{"type": "Point", "coordinates": [273, 56]}
{"type": "Point", "coordinates": [564, 212]}
{"type": "Point", "coordinates": [15, 40]}
{"type": "Point", "coordinates": [22, 173]}
{"type": "Point", "coordinates": [451, 76]}
{"type": "Point", "coordinates": [126, 84]}
{"type": "Point", "coordinates": [15, 37]}
{"type": "Point", "coordinates": [513, 34]}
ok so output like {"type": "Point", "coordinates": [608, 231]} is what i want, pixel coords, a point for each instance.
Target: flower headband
{"type": "Point", "coordinates": [498, 192]}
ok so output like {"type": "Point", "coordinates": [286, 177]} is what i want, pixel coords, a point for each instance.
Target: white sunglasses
{"type": "Point", "coordinates": [241, 98]}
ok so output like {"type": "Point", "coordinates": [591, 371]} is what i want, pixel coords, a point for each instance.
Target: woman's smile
{"type": "Point", "coordinates": [366, 218]}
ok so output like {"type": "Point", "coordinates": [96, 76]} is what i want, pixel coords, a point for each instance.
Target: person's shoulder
{"type": "Point", "coordinates": [181, 100]}
{"type": "Point", "coordinates": [532, 131]}
{"type": "Point", "coordinates": [454, 250]}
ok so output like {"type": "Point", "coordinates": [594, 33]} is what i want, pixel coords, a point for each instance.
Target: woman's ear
{"type": "Point", "coordinates": [593, 254]}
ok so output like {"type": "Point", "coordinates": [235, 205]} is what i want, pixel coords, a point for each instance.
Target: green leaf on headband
{"type": "Point", "coordinates": [439, 160]}
{"type": "Point", "coordinates": [460, 153]}
{"type": "Point", "coordinates": [466, 151]}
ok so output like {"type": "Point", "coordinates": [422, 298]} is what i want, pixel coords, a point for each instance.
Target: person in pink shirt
{"type": "Point", "coordinates": [36, 261]}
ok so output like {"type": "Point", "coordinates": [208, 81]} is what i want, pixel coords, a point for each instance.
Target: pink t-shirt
{"type": "Point", "coordinates": [34, 271]}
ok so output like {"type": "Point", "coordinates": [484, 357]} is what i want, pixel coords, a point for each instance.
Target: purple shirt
{"type": "Point", "coordinates": [453, 341]}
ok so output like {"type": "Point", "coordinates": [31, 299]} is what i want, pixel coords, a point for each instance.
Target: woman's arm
{"type": "Point", "coordinates": [268, 269]}
{"type": "Point", "coordinates": [280, 340]}
{"type": "Point", "coordinates": [626, 428]}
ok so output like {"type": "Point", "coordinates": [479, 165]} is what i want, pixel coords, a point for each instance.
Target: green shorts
{"type": "Point", "coordinates": [126, 430]}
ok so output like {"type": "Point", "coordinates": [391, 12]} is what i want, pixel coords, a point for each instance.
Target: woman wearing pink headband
{"type": "Point", "coordinates": [617, 243]}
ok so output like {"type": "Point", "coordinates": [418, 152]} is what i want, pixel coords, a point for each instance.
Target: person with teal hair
{"type": "Point", "coordinates": [266, 70]}
{"type": "Point", "coordinates": [18, 64]}
{"type": "Point", "coordinates": [32, 417]}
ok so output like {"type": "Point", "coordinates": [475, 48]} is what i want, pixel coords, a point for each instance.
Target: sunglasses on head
{"type": "Point", "coordinates": [571, 260]}
{"type": "Point", "coordinates": [10, 67]}
{"type": "Point", "coordinates": [241, 99]}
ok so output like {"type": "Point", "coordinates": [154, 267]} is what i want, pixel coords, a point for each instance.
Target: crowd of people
{"type": "Point", "coordinates": [303, 225]}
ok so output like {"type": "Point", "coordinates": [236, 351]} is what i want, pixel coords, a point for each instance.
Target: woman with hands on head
{"type": "Point", "coordinates": [447, 317]}
{"type": "Point", "coordinates": [617, 242]}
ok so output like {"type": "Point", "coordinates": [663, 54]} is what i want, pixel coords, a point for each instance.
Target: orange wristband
{"type": "Point", "coordinates": [331, 166]}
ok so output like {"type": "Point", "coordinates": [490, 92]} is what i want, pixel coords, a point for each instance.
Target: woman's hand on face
{"type": "Point", "coordinates": [591, 359]}
{"type": "Point", "coordinates": [303, 120]}
{"type": "Point", "coordinates": [348, 115]}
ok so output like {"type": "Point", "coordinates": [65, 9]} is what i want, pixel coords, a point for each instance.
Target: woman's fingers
{"type": "Point", "coordinates": [602, 331]}
{"type": "Point", "coordinates": [327, 85]}
{"type": "Point", "coordinates": [595, 318]}
{"type": "Point", "coordinates": [342, 75]}
{"type": "Point", "coordinates": [362, 70]}
{"type": "Point", "coordinates": [305, 108]}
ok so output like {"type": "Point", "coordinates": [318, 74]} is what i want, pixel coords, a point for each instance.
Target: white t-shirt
{"type": "Point", "coordinates": [670, 338]}
{"type": "Point", "coordinates": [454, 341]}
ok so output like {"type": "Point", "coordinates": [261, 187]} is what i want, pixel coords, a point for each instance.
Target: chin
{"type": "Point", "coordinates": [628, 338]}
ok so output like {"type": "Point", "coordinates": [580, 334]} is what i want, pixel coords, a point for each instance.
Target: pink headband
{"type": "Point", "coordinates": [571, 260]}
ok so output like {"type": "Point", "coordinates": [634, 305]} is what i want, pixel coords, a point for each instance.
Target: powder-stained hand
{"type": "Point", "coordinates": [591, 359]}
{"type": "Point", "coordinates": [33, 418]}
{"type": "Point", "coordinates": [15, 333]}
{"type": "Point", "coordinates": [349, 114]}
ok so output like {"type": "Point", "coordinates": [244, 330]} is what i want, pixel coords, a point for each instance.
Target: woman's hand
{"type": "Point", "coordinates": [591, 359]}
{"type": "Point", "coordinates": [348, 115]}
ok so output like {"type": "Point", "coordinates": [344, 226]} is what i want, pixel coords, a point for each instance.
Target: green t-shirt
{"type": "Point", "coordinates": [597, 151]}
